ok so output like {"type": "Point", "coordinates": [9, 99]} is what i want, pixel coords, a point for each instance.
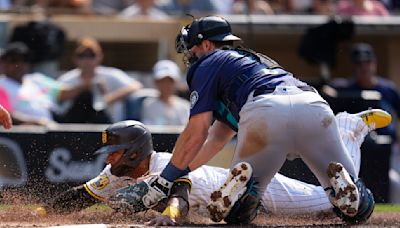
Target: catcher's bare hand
{"type": "Point", "coordinates": [161, 220]}
{"type": "Point", "coordinates": [5, 118]}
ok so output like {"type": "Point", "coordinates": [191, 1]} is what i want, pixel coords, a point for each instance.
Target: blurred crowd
{"type": "Point", "coordinates": [88, 93]}
{"type": "Point", "coordinates": [161, 9]}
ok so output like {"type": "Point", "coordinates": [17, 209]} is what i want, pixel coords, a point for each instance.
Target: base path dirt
{"type": "Point", "coordinates": [23, 217]}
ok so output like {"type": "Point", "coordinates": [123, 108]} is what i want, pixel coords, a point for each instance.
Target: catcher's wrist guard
{"type": "Point", "coordinates": [171, 172]}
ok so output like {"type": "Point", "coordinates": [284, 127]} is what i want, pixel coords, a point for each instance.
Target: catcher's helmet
{"type": "Point", "coordinates": [213, 28]}
{"type": "Point", "coordinates": [131, 136]}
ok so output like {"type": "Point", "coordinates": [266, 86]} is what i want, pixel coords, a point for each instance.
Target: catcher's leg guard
{"type": "Point", "coordinates": [365, 209]}
{"type": "Point", "coordinates": [345, 194]}
{"type": "Point", "coordinates": [225, 197]}
{"type": "Point", "coordinates": [246, 209]}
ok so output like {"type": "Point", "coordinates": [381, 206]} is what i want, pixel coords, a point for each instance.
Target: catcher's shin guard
{"type": "Point", "coordinates": [246, 209]}
{"type": "Point", "coordinates": [365, 208]}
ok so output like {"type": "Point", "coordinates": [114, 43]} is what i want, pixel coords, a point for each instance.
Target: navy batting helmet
{"type": "Point", "coordinates": [132, 137]}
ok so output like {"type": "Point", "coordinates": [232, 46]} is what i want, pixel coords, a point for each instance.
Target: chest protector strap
{"type": "Point", "coordinates": [259, 57]}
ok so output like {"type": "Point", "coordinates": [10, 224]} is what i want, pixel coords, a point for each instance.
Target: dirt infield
{"type": "Point", "coordinates": [22, 216]}
{"type": "Point", "coordinates": [15, 212]}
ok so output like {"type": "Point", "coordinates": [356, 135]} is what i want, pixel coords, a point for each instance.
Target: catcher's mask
{"type": "Point", "coordinates": [132, 137]}
{"type": "Point", "coordinates": [211, 28]}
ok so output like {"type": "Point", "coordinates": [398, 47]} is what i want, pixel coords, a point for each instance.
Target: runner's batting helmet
{"type": "Point", "coordinates": [132, 137]}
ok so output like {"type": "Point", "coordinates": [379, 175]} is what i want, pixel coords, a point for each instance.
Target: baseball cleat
{"type": "Point", "coordinates": [223, 199]}
{"type": "Point", "coordinates": [375, 118]}
{"type": "Point", "coordinates": [346, 196]}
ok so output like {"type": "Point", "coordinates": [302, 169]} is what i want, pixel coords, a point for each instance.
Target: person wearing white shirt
{"type": "Point", "coordinates": [107, 86]}
{"type": "Point", "coordinates": [167, 108]}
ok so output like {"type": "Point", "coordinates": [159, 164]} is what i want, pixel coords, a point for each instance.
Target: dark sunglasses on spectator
{"type": "Point", "coordinates": [86, 55]}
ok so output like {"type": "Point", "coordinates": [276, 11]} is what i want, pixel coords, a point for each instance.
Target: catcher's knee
{"type": "Point", "coordinates": [246, 209]}
{"type": "Point", "coordinates": [365, 208]}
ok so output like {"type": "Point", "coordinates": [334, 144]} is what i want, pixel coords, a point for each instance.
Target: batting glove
{"type": "Point", "coordinates": [159, 188]}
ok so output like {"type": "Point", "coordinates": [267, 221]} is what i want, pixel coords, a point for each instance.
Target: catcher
{"type": "Point", "coordinates": [131, 159]}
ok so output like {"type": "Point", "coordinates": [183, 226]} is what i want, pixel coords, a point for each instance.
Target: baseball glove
{"type": "Point", "coordinates": [129, 199]}
{"type": "Point", "coordinates": [141, 196]}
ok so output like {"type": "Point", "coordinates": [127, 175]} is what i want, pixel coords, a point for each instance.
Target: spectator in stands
{"type": "Point", "coordinates": [392, 5]}
{"type": "Point", "coordinates": [5, 107]}
{"type": "Point", "coordinates": [223, 7]}
{"type": "Point", "coordinates": [102, 101]}
{"type": "Point", "coordinates": [108, 7]}
{"type": "Point", "coordinates": [33, 97]}
{"type": "Point", "coordinates": [297, 7]}
{"type": "Point", "coordinates": [166, 109]}
{"type": "Point", "coordinates": [194, 7]}
{"type": "Point", "coordinates": [145, 8]}
{"type": "Point", "coordinates": [28, 101]}
{"type": "Point", "coordinates": [252, 7]}
{"type": "Point", "coordinates": [284, 6]}
{"type": "Point", "coordinates": [46, 42]}
{"type": "Point", "coordinates": [361, 8]}
{"type": "Point", "coordinates": [322, 7]}
{"type": "Point", "coordinates": [366, 78]}
{"type": "Point", "coordinates": [316, 7]}
{"type": "Point", "coordinates": [4, 100]}
{"type": "Point", "coordinates": [63, 6]}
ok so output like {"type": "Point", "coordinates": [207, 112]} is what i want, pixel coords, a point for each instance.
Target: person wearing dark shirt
{"type": "Point", "coordinates": [365, 77]}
